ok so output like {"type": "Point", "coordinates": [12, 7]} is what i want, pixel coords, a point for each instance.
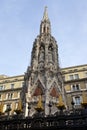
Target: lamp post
{"type": "Point", "coordinates": [29, 107]}
{"type": "Point", "coordinates": [50, 105]}
{"type": "Point", "coordinates": [72, 103]}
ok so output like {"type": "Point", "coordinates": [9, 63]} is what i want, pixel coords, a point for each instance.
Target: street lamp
{"type": "Point", "coordinates": [29, 107]}
{"type": "Point", "coordinates": [50, 105]}
{"type": "Point", "coordinates": [72, 103]}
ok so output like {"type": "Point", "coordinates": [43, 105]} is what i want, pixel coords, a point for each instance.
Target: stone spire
{"type": "Point", "coordinates": [44, 77]}
{"type": "Point", "coordinates": [45, 27]}
{"type": "Point", "coordinates": [45, 16]}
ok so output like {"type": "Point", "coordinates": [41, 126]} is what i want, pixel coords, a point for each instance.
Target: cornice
{"type": "Point", "coordinates": [10, 80]}
{"type": "Point", "coordinates": [74, 66]}
{"type": "Point", "coordinates": [75, 80]}
{"type": "Point", "coordinates": [11, 90]}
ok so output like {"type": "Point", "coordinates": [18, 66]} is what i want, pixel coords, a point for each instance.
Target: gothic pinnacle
{"type": "Point", "coordinates": [45, 16]}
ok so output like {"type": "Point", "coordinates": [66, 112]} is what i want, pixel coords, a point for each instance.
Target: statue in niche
{"type": "Point", "coordinates": [41, 54]}
{"type": "Point", "coordinates": [47, 29]}
{"type": "Point", "coordinates": [34, 64]}
{"type": "Point", "coordinates": [50, 54]}
{"type": "Point", "coordinates": [41, 66]}
{"type": "Point", "coordinates": [32, 79]}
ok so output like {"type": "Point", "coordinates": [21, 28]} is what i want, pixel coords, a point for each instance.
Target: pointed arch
{"type": "Point", "coordinates": [54, 92]}
{"type": "Point", "coordinates": [42, 46]}
{"type": "Point", "coordinates": [39, 90]}
{"type": "Point", "coordinates": [50, 47]}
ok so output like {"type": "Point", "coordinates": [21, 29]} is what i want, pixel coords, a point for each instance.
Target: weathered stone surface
{"type": "Point", "coordinates": [44, 77]}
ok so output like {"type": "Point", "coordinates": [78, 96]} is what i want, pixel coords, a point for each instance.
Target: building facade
{"type": "Point", "coordinates": [10, 90]}
{"type": "Point", "coordinates": [75, 82]}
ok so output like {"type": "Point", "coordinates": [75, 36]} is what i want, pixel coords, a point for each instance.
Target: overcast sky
{"type": "Point", "coordinates": [20, 24]}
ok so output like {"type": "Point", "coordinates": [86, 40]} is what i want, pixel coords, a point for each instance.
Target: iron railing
{"type": "Point", "coordinates": [71, 120]}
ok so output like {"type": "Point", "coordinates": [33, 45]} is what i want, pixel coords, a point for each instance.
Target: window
{"type": "Point", "coordinates": [75, 87]}
{"type": "Point", "coordinates": [77, 100]}
{"type": "Point", "coordinates": [86, 74]}
{"type": "Point", "coordinates": [16, 105]}
{"type": "Point", "coordinates": [10, 95]}
{"type": "Point", "coordinates": [1, 87]}
{"type": "Point", "coordinates": [86, 85]}
{"type": "Point", "coordinates": [22, 84]}
{"type": "Point", "coordinates": [12, 86]}
{"type": "Point", "coordinates": [8, 108]}
{"type": "Point", "coordinates": [18, 94]}
{"type": "Point", "coordinates": [76, 76]}
{"type": "Point", "coordinates": [0, 96]}
{"type": "Point", "coordinates": [71, 77]}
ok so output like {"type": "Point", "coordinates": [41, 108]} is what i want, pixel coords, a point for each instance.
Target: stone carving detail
{"type": "Point", "coordinates": [44, 66]}
{"type": "Point", "coordinates": [50, 54]}
{"type": "Point", "coordinates": [41, 54]}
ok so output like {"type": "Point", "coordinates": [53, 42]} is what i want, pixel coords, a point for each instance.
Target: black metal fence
{"type": "Point", "coordinates": [74, 120]}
